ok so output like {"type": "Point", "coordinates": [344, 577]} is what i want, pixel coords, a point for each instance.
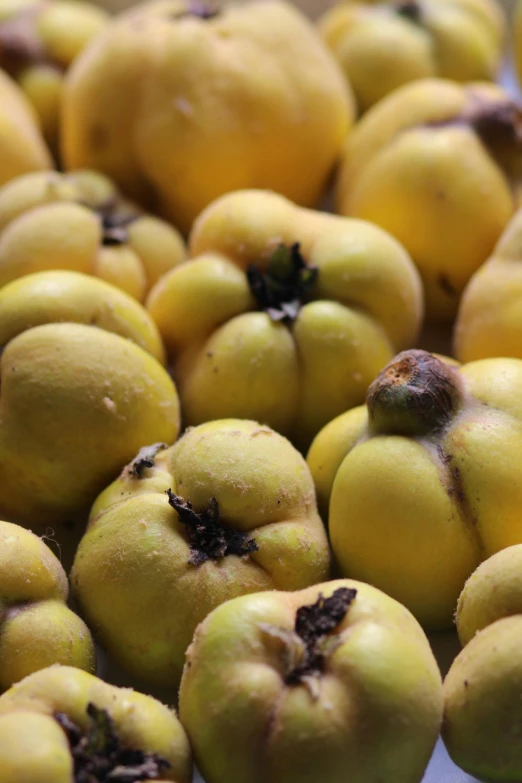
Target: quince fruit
{"type": "Point", "coordinates": [79, 221]}
{"type": "Point", "coordinates": [53, 297]}
{"type": "Point", "coordinates": [333, 683]}
{"type": "Point", "coordinates": [489, 320]}
{"type": "Point", "coordinates": [22, 147]}
{"type": "Point", "coordinates": [285, 313]}
{"type": "Point", "coordinates": [38, 42]}
{"type": "Point", "coordinates": [76, 403]}
{"type": "Point", "coordinates": [62, 724]}
{"type": "Point", "coordinates": [180, 102]}
{"type": "Point", "coordinates": [37, 628]}
{"type": "Point", "coordinates": [437, 164]}
{"type": "Point", "coordinates": [423, 483]}
{"type": "Point", "coordinates": [229, 509]}
{"type": "Point", "coordinates": [382, 46]}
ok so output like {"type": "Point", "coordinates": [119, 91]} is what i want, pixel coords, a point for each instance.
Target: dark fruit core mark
{"type": "Point", "coordinates": [114, 220]}
{"type": "Point", "coordinates": [282, 290]}
{"type": "Point", "coordinates": [145, 458]}
{"type": "Point", "coordinates": [415, 394]}
{"type": "Point", "coordinates": [410, 9]}
{"type": "Point", "coordinates": [208, 539]}
{"type": "Point", "coordinates": [313, 623]}
{"type": "Point", "coordinates": [99, 756]}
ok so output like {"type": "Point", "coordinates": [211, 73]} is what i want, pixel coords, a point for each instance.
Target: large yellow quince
{"type": "Point", "coordinates": [230, 509]}
{"type": "Point", "coordinates": [335, 683]}
{"type": "Point", "coordinates": [438, 165]}
{"type": "Point", "coordinates": [62, 724]}
{"type": "Point", "coordinates": [22, 147]}
{"type": "Point", "coordinates": [79, 221]}
{"type": "Point", "coordinates": [37, 628]}
{"type": "Point", "coordinates": [383, 45]}
{"type": "Point", "coordinates": [180, 102]}
{"type": "Point", "coordinates": [424, 482]}
{"type": "Point", "coordinates": [282, 314]}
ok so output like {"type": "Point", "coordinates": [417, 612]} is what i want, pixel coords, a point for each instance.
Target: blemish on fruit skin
{"type": "Point", "coordinates": [110, 404]}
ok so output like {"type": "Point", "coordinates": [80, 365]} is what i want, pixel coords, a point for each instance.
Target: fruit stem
{"type": "Point", "coordinates": [282, 290]}
{"type": "Point", "coordinates": [415, 394]}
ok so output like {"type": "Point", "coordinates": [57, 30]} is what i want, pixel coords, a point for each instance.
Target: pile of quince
{"type": "Point", "coordinates": [260, 390]}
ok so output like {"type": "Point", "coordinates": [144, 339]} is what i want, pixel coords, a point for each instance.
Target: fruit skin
{"type": "Point", "coordinates": [180, 109]}
{"type": "Point", "coordinates": [365, 305]}
{"type": "Point", "coordinates": [136, 546]}
{"type": "Point", "coordinates": [489, 320]}
{"type": "Point", "coordinates": [379, 704]}
{"type": "Point", "coordinates": [95, 396]}
{"type": "Point", "coordinates": [51, 297]}
{"type": "Point", "coordinates": [482, 727]}
{"type": "Point", "coordinates": [79, 221]}
{"type": "Point", "coordinates": [492, 592]}
{"type": "Point", "coordinates": [415, 512]}
{"type": "Point", "coordinates": [26, 720]}
{"type": "Point", "coordinates": [517, 38]}
{"type": "Point", "coordinates": [23, 148]}
{"type": "Point", "coordinates": [38, 43]}
{"type": "Point", "coordinates": [385, 45]}
{"type": "Point", "coordinates": [435, 164]}
{"type": "Point", "coordinates": [36, 627]}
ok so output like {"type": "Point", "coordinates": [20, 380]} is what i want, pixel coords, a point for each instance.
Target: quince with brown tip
{"type": "Point", "coordinates": [37, 628]}
{"type": "Point", "coordinates": [180, 102]}
{"type": "Point", "coordinates": [76, 403]}
{"type": "Point", "coordinates": [22, 148]}
{"type": "Point", "coordinates": [39, 40]}
{"type": "Point", "coordinates": [62, 725]}
{"type": "Point", "coordinates": [79, 221]}
{"type": "Point", "coordinates": [439, 166]}
{"type": "Point", "coordinates": [382, 46]}
{"type": "Point", "coordinates": [334, 683]}
{"type": "Point", "coordinates": [282, 314]}
{"type": "Point", "coordinates": [229, 509]}
{"type": "Point", "coordinates": [422, 483]}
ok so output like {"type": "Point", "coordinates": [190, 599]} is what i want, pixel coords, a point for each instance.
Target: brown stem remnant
{"type": "Point", "coordinates": [309, 645]}
{"type": "Point", "coordinates": [144, 459]}
{"type": "Point", "coordinates": [415, 394]}
{"type": "Point", "coordinates": [202, 10]}
{"type": "Point", "coordinates": [99, 756]}
{"type": "Point", "coordinates": [409, 9]}
{"type": "Point", "coordinates": [208, 539]}
{"type": "Point", "coordinates": [282, 290]}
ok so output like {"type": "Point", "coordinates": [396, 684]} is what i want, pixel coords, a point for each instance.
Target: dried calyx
{"type": "Point", "coordinates": [282, 290]}
{"type": "Point", "coordinates": [309, 645]}
{"type": "Point", "coordinates": [99, 756]}
{"type": "Point", "coordinates": [202, 10]}
{"type": "Point", "coordinates": [144, 459]}
{"type": "Point", "coordinates": [208, 539]}
{"type": "Point", "coordinates": [115, 219]}
{"type": "Point", "coordinates": [415, 394]}
{"type": "Point", "coordinates": [410, 9]}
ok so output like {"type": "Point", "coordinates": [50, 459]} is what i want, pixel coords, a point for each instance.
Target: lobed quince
{"type": "Point", "coordinates": [62, 724]}
{"type": "Point", "coordinates": [79, 221]}
{"type": "Point", "coordinates": [438, 165]}
{"type": "Point", "coordinates": [382, 46]}
{"type": "Point", "coordinates": [38, 42]}
{"type": "Point", "coordinates": [333, 683]}
{"type": "Point", "coordinates": [37, 628]}
{"type": "Point", "coordinates": [229, 509]}
{"type": "Point", "coordinates": [424, 483]}
{"type": "Point", "coordinates": [181, 101]}
{"type": "Point", "coordinates": [282, 314]}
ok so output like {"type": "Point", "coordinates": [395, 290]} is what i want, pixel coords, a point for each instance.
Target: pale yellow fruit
{"type": "Point", "coordinates": [423, 484]}
{"type": "Point", "coordinates": [77, 403]}
{"type": "Point", "coordinates": [79, 221]}
{"type": "Point", "coordinates": [28, 719]}
{"type": "Point", "coordinates": [368, 710]}
{"type": "Point", "coordinates": [291, 369]}
{"type": "Point", "coordinates": [437, 165]}
{"type": "Point", "coordinates": [382, 46]}
{"type": "Point", "coordinates": [489, 320]}
{"type": "Point", "coordinates": [180, 104]}
{"type": "Point", "coordinates": [163, 577]}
